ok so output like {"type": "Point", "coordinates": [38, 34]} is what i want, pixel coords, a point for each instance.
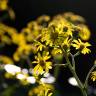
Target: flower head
{"type": "Point", "coordinates": [78, 44]}
{"type": "Point", "coordinates": [93, 76]}
{"type": "Point", "coordinates": [22, 51]}
{"type": "Point", "coordinates": [42, 64]}
{"type": "Point", "coordinates": [42, 90]}
{"type": "Point", "coordinates": [3, 4]}
{"type": "Point", "coordinates": [84, 32]}
{"type": "Point", "coordinates": [6, 60]}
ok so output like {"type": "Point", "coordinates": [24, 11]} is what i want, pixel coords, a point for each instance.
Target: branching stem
{"type": "Point", "coordinates": [72, 69]}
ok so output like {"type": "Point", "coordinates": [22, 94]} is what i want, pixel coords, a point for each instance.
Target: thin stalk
{"type": "Point", "coordinates": [56, 71]}
{"type": "Point", "coordinates": [60, 65]}
{"type": "Point", "coordinates": [71, 68]}
{"type": "Point", "coordinates": [29, 62]}
{"type": "Point", "coordinates": [88, 75]}
{"type": "Point", "coordinates": [73, 61]}
{"type": "Point", "coordinates": [80, 85]}
{"type": "Point", "coordinates": [76, 54]}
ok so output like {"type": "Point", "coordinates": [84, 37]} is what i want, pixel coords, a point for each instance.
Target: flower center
{"type": "Point", "coordinates": [81, 46]}
{"type": "Point", "coordinates": [65, 29]}
{"type": "Point", "coordinates": [42, 63]}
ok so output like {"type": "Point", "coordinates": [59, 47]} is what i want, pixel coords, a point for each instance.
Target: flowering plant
{"type": "Point", "coordinates": [39, 45]}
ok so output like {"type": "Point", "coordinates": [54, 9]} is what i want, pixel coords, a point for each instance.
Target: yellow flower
{"type": "Point", "coordinates": [93, 75]}
{"type": "Point", "coordinates": [26, 32]}
{"type": "Point", "coordinates": [51, 37]}
{"type": "Point", "coordinates": [78, 44]}
{"type": "Point", "coordinates": [43, 20]}
{"type": "Point", "coordinates": [68, 28]}
{"type": "Point", "coordinates": [39, 46]}
{"type": "Point", "coordinates": [42, 64]}
{"type": "Point", "coordinates": [6, 33]}
{"type": "Point", "coordinates": [3, 5]}
{"type": "Point", "coordinates": [66, 44]}
{"type": "Point", "coordinates": [18, 39]}
{"type": "Point", "coordinates": [11, 13]}
{"type": "Point", "coordinates": [22, 50]}
{"type": "Point", "coordinates": [32, 31]}
{"type": "Point", "coordinates": [33, 25]}
{"type": "Point", "coordinates": [46, 37]}
{"type": "Point", "coordinates": [5, 39]}
{"type": "Point", "coordinates": [74, 18]}
{"type": "Point", "coordinates": [56, 26]}
{"type": "Point", "coordinates": [62, 26]}
{"type": "Point", "coordinates": [56, 32]}
{"type": "Point", "coordinates": [84, 32]}
{"type": "Point", "coordinates": [42, 90]}
{"type": "Point", "coordinates": [6, 60]}
{"type": "Point", "coordinates": [56, 51]}
{"type": "Point", "coordinates": [8, 29]}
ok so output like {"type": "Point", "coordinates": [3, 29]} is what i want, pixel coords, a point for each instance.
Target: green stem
{"type": "Point", "coordinates": [88, 75]}
{"type": "Point", "coordinates": [80, 85]}
{"type": "Point", "coordinates": [71, 68]}
{"type": "Point", "coordinates": [73, 61]}
{"type": "Point", "coordinates": [60, 65]}
{"type": "Point", "coordinates": [56, 71]}
{"type": "Point", "coordinates": [29, 62]}
{"type": "Point", "coordinates": [76, 54]}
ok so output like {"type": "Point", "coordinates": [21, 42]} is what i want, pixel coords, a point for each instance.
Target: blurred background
{"type": "Point", "coordinates": [28, 10]}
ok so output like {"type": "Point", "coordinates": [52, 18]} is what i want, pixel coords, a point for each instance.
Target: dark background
{"type": "Point", "coordinates": [27, 10]}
